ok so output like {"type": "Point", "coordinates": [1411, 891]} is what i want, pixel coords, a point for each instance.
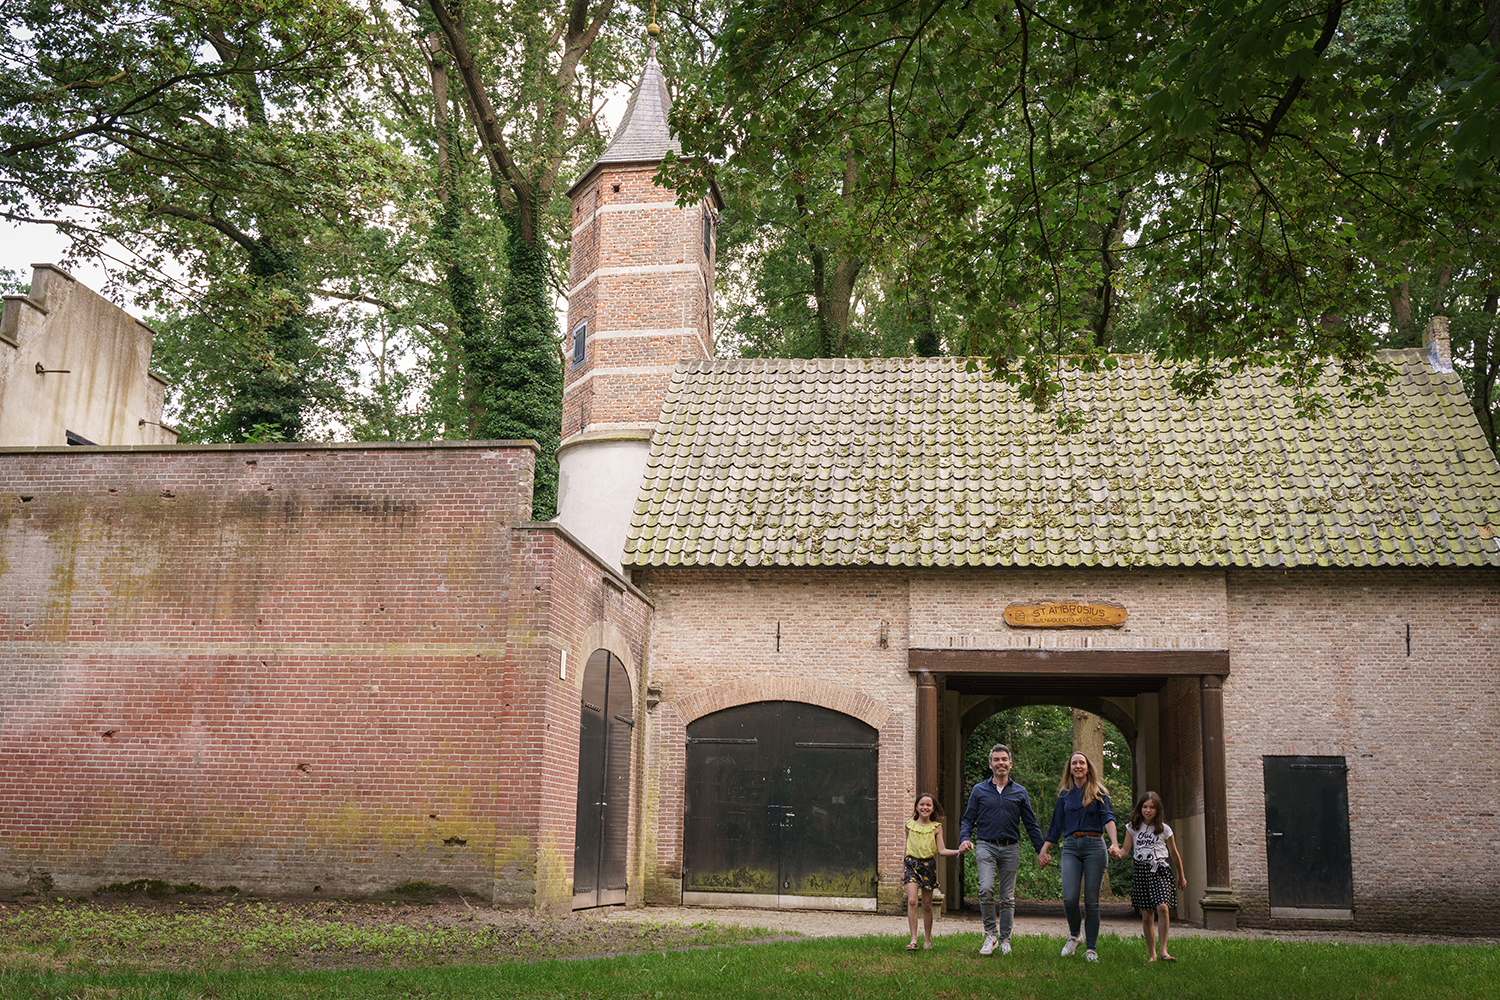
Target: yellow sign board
{"type": "Point", "coordinates": [1065, 614]}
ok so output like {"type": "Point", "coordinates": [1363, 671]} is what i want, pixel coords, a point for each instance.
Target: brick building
{"type": "Point", "coordinates": [778, 597]}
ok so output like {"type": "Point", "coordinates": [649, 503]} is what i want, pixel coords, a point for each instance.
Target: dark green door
{"type": "Point", "coordinates": [1308, 856]}
{"type": "Point", "coordinates": [780, 806]}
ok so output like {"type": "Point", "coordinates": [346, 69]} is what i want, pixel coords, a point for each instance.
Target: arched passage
{"type": "Point", "coordinates": [1171, 701]}
{"type": "Point", "coordinates": [780, 808]}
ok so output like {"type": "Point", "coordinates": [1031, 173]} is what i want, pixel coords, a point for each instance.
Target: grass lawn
{"type": "Point", "coordinates": [275, 953]}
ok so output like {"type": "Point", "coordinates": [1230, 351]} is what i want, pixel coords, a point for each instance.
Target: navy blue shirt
{"type": "Point", "coordinates": [1070, 815]}
{"type": "Point", "coordinates": [997, 814]}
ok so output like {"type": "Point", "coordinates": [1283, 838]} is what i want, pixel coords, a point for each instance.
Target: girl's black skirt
{"type": "Point", "coordinates": [922, 871]}
{"type": "Point", "coordinates": [1152, 887]}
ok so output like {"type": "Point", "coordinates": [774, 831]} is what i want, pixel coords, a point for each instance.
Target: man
{"type": "Point", "coordinates": [991, 826]}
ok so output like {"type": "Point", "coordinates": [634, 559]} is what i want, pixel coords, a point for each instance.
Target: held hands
{"type": "Point", "coordinates": [1117, 852]}
{"type": "Point", "coordinates": [965, 845]}
{"type": "Point", "coordinates": [1044, 858]}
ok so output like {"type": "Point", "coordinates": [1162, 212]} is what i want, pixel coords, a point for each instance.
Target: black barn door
{"type": "Point", "coordinates": [1307, 837]}
{"type": "Point", "coordinates": [606, 719]}
{"type": "Point", "coordinates": [780, 807]}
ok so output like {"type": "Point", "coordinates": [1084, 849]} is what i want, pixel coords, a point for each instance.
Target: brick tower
{"type": "Point", "coordinates": [640, 298]}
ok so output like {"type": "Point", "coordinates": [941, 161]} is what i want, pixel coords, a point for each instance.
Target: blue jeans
{"type": "Point", "coordinates": [998, 861]}
{"type": "Point", "coordinates": [1083, 860]}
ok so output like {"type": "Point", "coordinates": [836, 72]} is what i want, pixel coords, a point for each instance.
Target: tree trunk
{"type": "Point", "coordinates": [1088, 737]}
{"type": "Point", "coordinates": [839, 298]}
{"type": "Point", "coordinates": [461, 408]}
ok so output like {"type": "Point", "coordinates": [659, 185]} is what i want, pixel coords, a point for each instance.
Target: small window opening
{"type": "Point", "coordinates": [708, 236]}
{"type": "Point", "coordinates": [77, 438]}
{"type": "Point", "coordinates": [580, 339]}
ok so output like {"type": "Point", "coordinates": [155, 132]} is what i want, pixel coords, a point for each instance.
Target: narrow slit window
{"type": "Point", "coordinates": [580, 343]}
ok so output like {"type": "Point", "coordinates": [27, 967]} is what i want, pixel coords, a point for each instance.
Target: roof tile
{"type": "Point", "coordinates": [916, 462]}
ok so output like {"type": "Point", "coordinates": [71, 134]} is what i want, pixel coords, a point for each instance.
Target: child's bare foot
{"type": "Point", "coordinates": [1150, 959]}
{"type": "Point", "coordinates": [928, 944]}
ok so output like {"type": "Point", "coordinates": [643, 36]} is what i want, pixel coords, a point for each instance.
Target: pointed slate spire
{"type": "Point", "coordinates": [643, 135]}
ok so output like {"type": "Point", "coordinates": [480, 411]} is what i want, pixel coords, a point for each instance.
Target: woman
{"type": "Point", "coordinates": [1081, 814]}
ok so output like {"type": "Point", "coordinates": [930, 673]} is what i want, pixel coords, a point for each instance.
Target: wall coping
{"type": "Point", "coordinates": [94, 449]}
{"type": "Point", "coordinates": [612, 574]}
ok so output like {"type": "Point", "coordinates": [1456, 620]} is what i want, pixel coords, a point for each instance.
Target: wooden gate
{"type": "Point", "coordinates": [1308, 859]}
{"type": "Point", "coordinates": [780, 808]}
{"type": "Point", "coordinates": [606, 719]}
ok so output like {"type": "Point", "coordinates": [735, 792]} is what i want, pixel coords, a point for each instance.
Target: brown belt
{"type": "Point", "coordinates": [1086, 833]}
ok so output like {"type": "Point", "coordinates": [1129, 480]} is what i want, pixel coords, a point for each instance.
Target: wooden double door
{"type": "Point", "coordinates": [602, 830]}
{"type": "Point", "coordinates": [780, 810]}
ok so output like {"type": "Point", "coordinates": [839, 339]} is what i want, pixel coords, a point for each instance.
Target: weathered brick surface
{"type": "Point", "coordinates": [290, 669]}
{"type": "Point", "coordinates": [1320, 667]}
{"type": "Point", "coordinates": [713, 646]}
{"type": "Point", "coordinates": [1317, 667]}
{"type": "Point", "coordinates": [338, 669]}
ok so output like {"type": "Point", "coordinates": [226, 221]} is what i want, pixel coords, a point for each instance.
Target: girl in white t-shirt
{"type": "Point", "coordinates": [1153, 890]}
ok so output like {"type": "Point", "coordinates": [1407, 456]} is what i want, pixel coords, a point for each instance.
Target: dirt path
{"type": "Point", "coordinates": [816, 923]}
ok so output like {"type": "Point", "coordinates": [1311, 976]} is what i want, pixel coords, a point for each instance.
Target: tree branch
{"type": "Point", "coordinates": [1330, 25]}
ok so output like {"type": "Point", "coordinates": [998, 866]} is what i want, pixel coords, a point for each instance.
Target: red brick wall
{"type": "Point", "coordinates": [563, 593]}
{"type": "Point", "coordinates": [290, 669]}
{"type": "Point", "coordinates": [713, 646]}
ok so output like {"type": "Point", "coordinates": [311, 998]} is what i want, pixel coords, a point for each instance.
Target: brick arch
{"type": "Point", "coordinates": [604, 635]}
{"type": "Point", "coordinates": [861, 706]}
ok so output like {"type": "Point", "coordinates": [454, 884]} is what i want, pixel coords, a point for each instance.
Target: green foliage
{"type": "Point", "coordinates": [13, 282]}
{"type": "Point", "coordinates": [1223, 184]}
{"type": "Point", "coordinates": [520, 374]}
{"type": "Point", "coordinates": [224, 146]}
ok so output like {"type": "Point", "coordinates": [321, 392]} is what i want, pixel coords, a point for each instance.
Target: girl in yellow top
{"type": "Point", "coordinates": [924, 842]}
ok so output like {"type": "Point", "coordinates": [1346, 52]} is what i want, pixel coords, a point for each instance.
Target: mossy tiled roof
{"type": "Point", "coordinates": [916, 462]}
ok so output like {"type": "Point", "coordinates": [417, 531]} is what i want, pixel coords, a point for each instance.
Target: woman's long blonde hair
{"type": "Point", "coordinates": [1092, 786]}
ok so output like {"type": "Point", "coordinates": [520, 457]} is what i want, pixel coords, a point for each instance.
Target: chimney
{"type": "Point", "coordinates": [1435, 344]}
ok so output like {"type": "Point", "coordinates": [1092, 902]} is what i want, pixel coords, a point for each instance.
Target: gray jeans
{"type": "Point", "coordinates": [994, 860]}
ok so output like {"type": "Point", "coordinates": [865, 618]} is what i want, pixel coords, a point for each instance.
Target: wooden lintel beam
{"type": "Point", "coordinates": [1069, 661]}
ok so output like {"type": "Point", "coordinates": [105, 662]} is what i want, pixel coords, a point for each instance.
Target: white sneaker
{"type": "Point", "coordinates": [1069, 946]}
{"type": "Point", "coordinates": [988, 948]}
{"type": "Point", "coordinates": [1091, 955]}
{"type": "Point", "coordinates": [1005, 947]}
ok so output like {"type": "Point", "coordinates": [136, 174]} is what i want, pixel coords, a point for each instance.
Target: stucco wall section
{"type": "Point", "coordinates": [98, 360]}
